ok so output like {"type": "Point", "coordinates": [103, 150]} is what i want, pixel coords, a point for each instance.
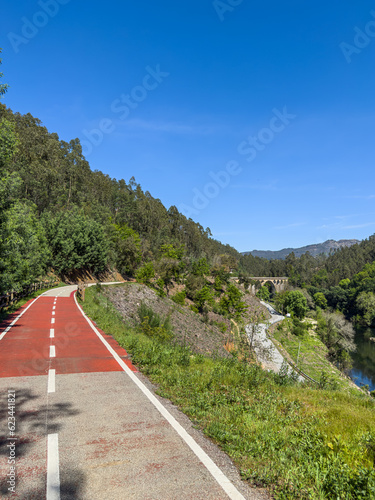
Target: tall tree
{"type": "Point", "coordinates": [77, 242]}
{"type": "Point", "coordinates": [3, 86]}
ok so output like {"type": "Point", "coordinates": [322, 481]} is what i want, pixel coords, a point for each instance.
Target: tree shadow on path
{"type": "Point", "coordinates": [34, 421]}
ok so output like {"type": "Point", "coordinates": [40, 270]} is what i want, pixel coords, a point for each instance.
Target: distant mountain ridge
{"type": "Point", "coordinates": [314, 250]}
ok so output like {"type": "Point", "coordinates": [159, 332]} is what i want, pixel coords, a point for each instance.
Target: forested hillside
{"type": "Point", "coordinates": [320, 270]}
{"type": "Point", "coordinates": [57, 213]}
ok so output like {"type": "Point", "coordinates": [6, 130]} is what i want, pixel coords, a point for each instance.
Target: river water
{"type": "Point", "coordinates": [363, 371]}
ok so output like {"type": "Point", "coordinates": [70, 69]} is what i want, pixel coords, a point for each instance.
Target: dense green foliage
{"type": "Point", "coordinates": [293, 302]}
{"type": "Point", "coordinates": [354, 296]}
{"type": "Point", "coordinates": [231, 302]}
{"type": "Point", "coordinates": [77, 242]}
{"type": "Point", "coordinates": [338, 335]}
{"type": "Point", "coordinates": [263, 293]}
{"type": "Point", "coordinates": [24, 251]}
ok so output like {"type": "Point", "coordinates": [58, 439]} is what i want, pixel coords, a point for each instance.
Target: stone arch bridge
{"type": "Point", "coordinates": [280, 284]}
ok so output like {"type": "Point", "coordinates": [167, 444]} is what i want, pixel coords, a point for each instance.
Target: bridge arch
{"type": "Point", "coordinates": [271, 286]}
{"type": "Point", "coordinates": [279, 284]}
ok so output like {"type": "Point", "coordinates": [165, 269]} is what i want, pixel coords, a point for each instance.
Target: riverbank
{"type": "Point", "coordinates": [363, 372]}
{"type": "Point", "coordinates": [310, 355]}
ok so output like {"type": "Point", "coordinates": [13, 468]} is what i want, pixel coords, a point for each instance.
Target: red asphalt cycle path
{"type": "Point", "coordinates": [85, 443]}
{"type": "Point", "coordinates": [25, 349]}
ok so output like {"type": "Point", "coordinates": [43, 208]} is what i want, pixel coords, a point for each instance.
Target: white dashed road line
{"type": "Point", "coordinates": [53, 468]}
{"type": "Point", "coordinates": [51, 381]}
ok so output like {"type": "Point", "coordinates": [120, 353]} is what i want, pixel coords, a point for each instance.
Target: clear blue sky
{"type": "Point", "coordinates": [180, 89]}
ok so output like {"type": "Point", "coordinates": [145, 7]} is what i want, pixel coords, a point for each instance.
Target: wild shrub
{"type": "Point", "coordinates": [231, 303]}
{"type": "Point", "coordinates": [203, 297]}
{"type": "Point", "coordinates": [160, 284]}
{"type": "Point", "coordinates": [193, 285]}
{"type": "Point", "coordinates": [327, 383]}
{"type": "Point", "coordinates": [154, 325]}
{"type": "Point", "coordinates": [263, 294]}
{"type": "Point", "coordinates": [299, 327]}
{"type": "Point", "coordinates": [221, 326]}
{"type": "Point", "coordinates": [146, 274]}
{"type": "Point", "coordinates": [179, 297]}
{"type": "Point", "coordinates": [286, 375]}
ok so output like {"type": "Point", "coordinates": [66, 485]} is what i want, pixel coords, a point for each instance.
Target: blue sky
{"type": "Point", "coordinates": [251, 117]}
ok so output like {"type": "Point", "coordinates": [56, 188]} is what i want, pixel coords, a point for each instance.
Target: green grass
{"type": "Point", "coordinates": [300, 443]}
{"type": "Point", "coordinates": [312, 357]}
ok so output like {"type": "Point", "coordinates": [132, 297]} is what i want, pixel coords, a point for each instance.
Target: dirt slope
{"type": "Point", "coordinates": [188, 328]}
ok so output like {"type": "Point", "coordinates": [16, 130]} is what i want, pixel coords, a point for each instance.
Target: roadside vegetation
{"type": "Point", "coordinates": [297, 441]}
{"type": "Point", "coordinates": [308, 353]}
{"type": "Point", "coordinates": [322, 335]}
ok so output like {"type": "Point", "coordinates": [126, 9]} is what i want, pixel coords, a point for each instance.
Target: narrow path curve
{"type": "Point", "coordinates": [88, 425]}
{"type": "Point", "coordinates": [266, 352]}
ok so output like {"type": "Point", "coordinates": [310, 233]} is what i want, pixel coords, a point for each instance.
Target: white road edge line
{"type": "Point", "coordinates": [52, 351]}
{"type": "Point", "coordinates": [52, 333]}
{"type": "Point", "coordinates": [18, 317]}
{"type": "Point", "coordinates": [53, 468]}
{"type": "Point", "coordinates": [52, 321]}
{"type": "Point", "coordinates": [51, 381]}
{"type": "Point", "coordinates": [220, 477]}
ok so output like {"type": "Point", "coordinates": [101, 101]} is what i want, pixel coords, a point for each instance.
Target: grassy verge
{"type": "Point", "coordinates": [300, 443]}
{"type": "Point", "coordinates": [311, 354]}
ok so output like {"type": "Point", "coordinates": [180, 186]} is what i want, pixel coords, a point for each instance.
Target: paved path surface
{"type": "Point", "coordinates": [266, 351]}
{"type": "Point", "coordinates": [88, 426]}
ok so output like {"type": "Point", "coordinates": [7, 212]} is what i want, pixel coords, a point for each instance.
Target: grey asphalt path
{"type": "Point", "coordinates": [31, 415]}
{"type": "Point", "coordinates": [118, 446]}
{"type": "Point", "coordinates": [65, 291]}
{"type": "Point", "coordinates": [265, 350]}
{"type": "Point", "coordinates": [100, 436]}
